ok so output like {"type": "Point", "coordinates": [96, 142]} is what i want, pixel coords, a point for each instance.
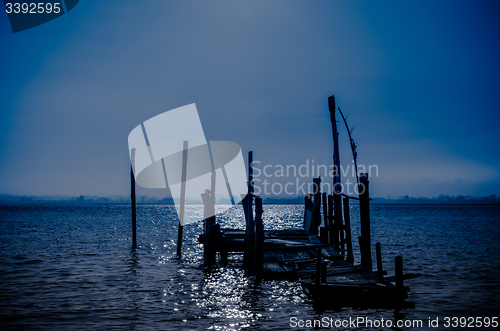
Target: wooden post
{"type": "Point", "coordinates": [323, 231]}
{"type": "Point", "coordinates": [250, 225]}
{"type": "Point", "coordinates": [210, 229]}
{"type": "Point", "coordinates": [348, 239]}
{"type": "Point", "coordinates": [208, 243]}
{"type": "Point", "coordinates": [205, 197]}
{"type": "Point", "coordinates": [183, 197]}
{"type": "Point", "coordinates": [259, 236]}
{"type": "Point", "coordinates": [212, 199]}
{"type": "Point", "coordinates": [364, 209]}
{"type": "Point", "coordinates": [380, 270]}
{"type": "Point", "coordinates": [308, 207]}
{"type": "Point", "coordinates": [317, 204]}
{"type": "Point", "coordinates": [324, 200]}
{"type": "Point", "coordinates": [132, 197]}
{"type": "Point", "coordinates": [398, 261]}
{"type": "Point", "coordinates": [337, 186]}
{"type": "Point", "coordinates": [331, 232]}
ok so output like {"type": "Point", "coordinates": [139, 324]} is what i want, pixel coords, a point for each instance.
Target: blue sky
{"type": "Point", "coordinates": [419, 80]}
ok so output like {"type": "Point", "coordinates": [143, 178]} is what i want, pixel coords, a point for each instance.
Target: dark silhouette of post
{"type": "Point", "coordinates": [337, 186]}
{"type": "Point", "coordinates": [323, 231]}
{"type": "Point", "coordinates": [206, 227]}
{"type": "Point", "coordinates": [348, 240]}
{"type": "Point", "coordinates": [183, 197]}
{"type": "Point", "coordinates": [132, 197]}
{"type": "Point", "coordinates": [250, 225]}
{"type": "Point", "coordinates": [317, 204]}
{"type": "Point", "coordinates": [364, 211]}
{"type": "Point", "coordinates": [259, 236]}
{"type": "Point", "coordinates": [330, 220]}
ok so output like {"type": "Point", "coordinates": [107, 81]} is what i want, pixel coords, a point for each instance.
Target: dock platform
{"type": "Point", "coordinates": [328, 279]}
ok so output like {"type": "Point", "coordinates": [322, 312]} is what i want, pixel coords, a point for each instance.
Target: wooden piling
{"type": "Point", "coordinates": [323, 231]}
{"type": "Point", "coordinates": [348, 239]}
{"type": "Point", "coordinates": [132, 197]}
{"type": "Point", "coordinates": [325, 209]}
{"type": "Point", "coordinates": [205, 198]}
{"type": "Point", "coordinates": [183, 197]}
{"type": "Point", "coordinates": [364, 210]}
{"type": "Point", "coordinates": [308, 213]}
{"type": "Point", "coordinates": [317, 204]}
{"type": "Point", "coordinates": [250, 225]}
{"type": "Point", "coordinates": [331, 232]}
{"type": "Point", "coordinates": [209, 250]}
{"type": "Point", "coordinates": [337, 186]}
{"type": "Point", "coordinates": [259, 236]}
{"type": "Point", "coordinates": [211, 223]}
{"type": "Point", "coordinates": [380, 270]}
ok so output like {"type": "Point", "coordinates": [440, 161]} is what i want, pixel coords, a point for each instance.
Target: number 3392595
{"type": "Point", "coordinates": [32, 8]}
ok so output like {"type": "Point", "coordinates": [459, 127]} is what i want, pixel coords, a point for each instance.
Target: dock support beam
{"type": "Point", "coordinates": [132, 198]}
{"type": "Point", "coordinates": [249, 258]}
{"type": "Point", "coordinates": [331, 232]}
{"type": "Point", "coordinates": [259, 237]}
{"type": "Point", "coordinates": [183, 198]}
{"type": "Point", "coordinates": [209, 250]}
{"type": "Point", "coordinates": [317, 204]}
{"type": "Point", "coordinates": [323, 231]}
{"type": "Point", "coordinates": [337, 186]}
{"type": "Point", "coordinates": [348, 239]}
{"type": "Point", "coordinates": [364, 210]}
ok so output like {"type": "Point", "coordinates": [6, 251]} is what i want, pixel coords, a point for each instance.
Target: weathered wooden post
{"type": "Point", "coordinates": [348, 239]}
{"type": "Point", "coordinates": [259, 236]}
{"type": "Point", "coordinates": [250, 225]}
{"type": "Point", "coordinates": [209, 251]}
{"type": "Point", "coordinates": [364, 210]}
{"type": "Point", "coordinates": [317, 204]}
{"type": "Point", "coordinates": [212, 198]}
{"type": "Point", "coordinates": [183, 197]}
{"type": "Point", "coordinates": [380, 270]}
{"type": "Point", "coordinates": [132, 197]}
{"type": "Point", "coordinates": [308, 214]}
{"type": "Point", "coordinates": [337, 185]}
{"type": "Point", "coordinates": [323, 231]}
{"type": "Point", "coordinates": [205, 198]}
{"type": "Point", "coordinates": [331, 231]}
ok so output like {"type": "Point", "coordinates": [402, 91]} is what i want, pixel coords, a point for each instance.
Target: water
{"type": "Point", "coordinates": [72, 267]}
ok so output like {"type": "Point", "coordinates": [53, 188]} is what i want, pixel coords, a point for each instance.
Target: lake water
{"type": "Point", "coordinates": [72, 267]}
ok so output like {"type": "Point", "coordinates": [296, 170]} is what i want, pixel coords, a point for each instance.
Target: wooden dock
{"type": "Point", "coordinates": [320, 254]}
{"type": "Point", "coordinates": [328, 278]}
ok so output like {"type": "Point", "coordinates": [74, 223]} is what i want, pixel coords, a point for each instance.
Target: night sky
{"type": "Point", "coordinates": [420, 82]}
